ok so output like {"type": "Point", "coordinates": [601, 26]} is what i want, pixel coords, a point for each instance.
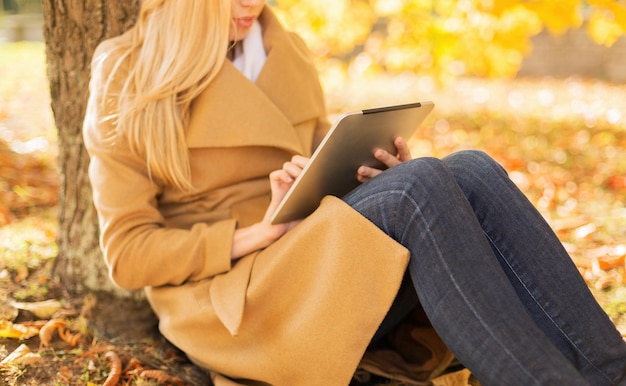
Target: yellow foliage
{"type": "Point", "coordinates": [443, 38]}
{"type": "Point", "coordinates": [329, 26]}
{"type": "Point", "coordinates": [607, 22]}
{"type": "Point", "coordinates": [497, 7]}
{"type": "Point", "coordinates": [557, 16]}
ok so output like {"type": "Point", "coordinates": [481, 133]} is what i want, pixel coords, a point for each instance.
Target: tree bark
{"type": "Point", "coordinates": [72, 30]}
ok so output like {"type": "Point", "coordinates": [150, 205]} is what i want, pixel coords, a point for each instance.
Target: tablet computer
{"type": "Point", "coordinates": [348, 144]}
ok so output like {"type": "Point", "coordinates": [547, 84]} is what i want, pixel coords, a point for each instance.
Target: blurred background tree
{"type": "Point", "coordinates": [20, 6]}
{"type": "Point", "coordinates": [442, 38]}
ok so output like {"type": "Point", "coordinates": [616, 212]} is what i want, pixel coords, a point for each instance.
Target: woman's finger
{"type": "Point", "coordinates": [365, 173]}
{"type": "Point", "coordinates": [291, 169]}
{"type": "Point", "coordinates": [386, 158]}
{"type": "Point", "coordinates": [295, 165]}
{"type": "Point", "coordinates": [280, 176]}
{"type": "Point", "coordinates": [300, 160]}
{"type": "Point", "coordinates": [404, 153]}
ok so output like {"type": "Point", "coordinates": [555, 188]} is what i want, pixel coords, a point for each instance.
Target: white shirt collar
{"type": "Point", "coordinates": [250, 56]}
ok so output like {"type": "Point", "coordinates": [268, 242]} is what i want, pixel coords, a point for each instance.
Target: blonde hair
{"type": "Point", "coordinates": [175, 50]}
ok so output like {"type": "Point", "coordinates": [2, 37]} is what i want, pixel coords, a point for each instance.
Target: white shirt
{"type": "Point", "coordinates": [250, 54]}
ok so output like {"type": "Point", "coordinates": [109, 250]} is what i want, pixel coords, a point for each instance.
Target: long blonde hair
{"type": "Point", "coordinates": [175, 50]}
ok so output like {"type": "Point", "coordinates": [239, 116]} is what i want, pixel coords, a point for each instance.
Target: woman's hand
{"type": "Point", "coordinates": [262, 234]}
{"type": "Point", "coordinates": [282, 179]}
{"type": "Point", "coordinates": [365, 173]}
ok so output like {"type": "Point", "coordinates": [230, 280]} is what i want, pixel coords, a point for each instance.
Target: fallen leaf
{"type": "Point", "coordinates": [458, 378]}
{"type": "Point", "coordinates": [65, 374]}
{"type": "Point", "coordinates": [8, 312]}
{"type": "Point", "coordinates": [116, 369]}
{"type": "Point", "coordinates": [48, 330]}
{"type": "Point", "coordinates": [16, 330]}
{"type": "Point", "coordinates": [21, 356]}
{"type": "Point", "coordinates": [89, 302]}
{"type": "Point", "coordinates": [584, 231]}
{"type": "Point", "coordinates": [43, 310]}
{"type": "Point", "coordinates": [607, 262]}
{"type": "Point", "coordinates": [616, 182]}
{"type": "Point", "coordinates": [22, 273]}
{"type": "Point", "coordinates": [161, 376]}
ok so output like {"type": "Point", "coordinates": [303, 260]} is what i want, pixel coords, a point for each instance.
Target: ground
{"type": "Point", "coordinates": [124, 326]}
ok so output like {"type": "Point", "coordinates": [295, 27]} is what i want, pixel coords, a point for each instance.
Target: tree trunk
{"type": "Point", "coordinates": [72, 30]}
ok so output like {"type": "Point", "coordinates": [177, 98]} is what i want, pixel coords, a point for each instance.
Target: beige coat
{"type": "Point", "coordinates": [300, 312]}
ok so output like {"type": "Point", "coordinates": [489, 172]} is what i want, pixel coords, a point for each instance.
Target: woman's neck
{"type": "Point", "coordinates": [234, 48]}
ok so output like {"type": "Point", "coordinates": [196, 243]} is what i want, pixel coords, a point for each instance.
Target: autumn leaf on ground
{"type": "Point", "coordinates": [21, 356]}
{"type": "Point", "coordinates": [17, 330]}
{"type": "Point", "coordinates": [458, 378]}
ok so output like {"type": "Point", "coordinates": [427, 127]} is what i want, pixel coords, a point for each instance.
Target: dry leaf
{"type": "Point", "coordinates": [8, 312]}
{"type": "Point", "coordinates": [162, 377]}
{"type": "Point", "coordinates": [16, 330]}
{"type": "Point", "coordinates": [584, 231]}
{"type": "Point", "coordinates": [47, 331]}
{"type": "Point", "coordinates": [89, 303]}
{"type": "Point", "coordinates": [65, 374]}
{"type": "Point", "coordinates": [22, 274]}
{"type": "Point", "coordinates": [28, 359]}
{"type": "Point", "coordinates": [458, 378]}
{"type": "Point", "coordinates": [43, 310]}
{"type": "Point", "coordinates": [21, 356]}
{"type": "Point", "coordinates": [58, 325]}
{"type": "Point", "coordinates": [606, 263]}
{"type": "Point", "coordinates": [116, 369]}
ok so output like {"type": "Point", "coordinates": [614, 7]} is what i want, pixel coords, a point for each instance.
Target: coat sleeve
{"type": "Point", "coordinates": [138, 248]}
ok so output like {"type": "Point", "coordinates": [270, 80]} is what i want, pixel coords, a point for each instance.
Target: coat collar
{"type": "Point", "coordinates": [233, 111]}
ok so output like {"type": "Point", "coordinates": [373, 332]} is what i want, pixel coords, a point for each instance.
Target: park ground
{"type": "Point", "coordinates": [562, 141]}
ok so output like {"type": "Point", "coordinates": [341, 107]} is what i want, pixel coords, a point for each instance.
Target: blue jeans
{"type": "Point", "coordinates": [493, 278]}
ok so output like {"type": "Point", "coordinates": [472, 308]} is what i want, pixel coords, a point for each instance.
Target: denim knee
{"type": "Point", "coordinates": [474, 161]}
{"type": "Point", "coordinates": [476, 172]}
{"type": "Point", "coordinates": [428, 173]}
{"type": "Point", "coordinates": [392, 198]}
{"type": "Point", "coordinates": [419, 168]}
{"type": "Point", "coordinates": [426, 176]}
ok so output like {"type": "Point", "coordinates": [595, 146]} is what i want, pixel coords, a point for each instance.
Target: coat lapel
{"type": "Point", "coordinates": [289, 77]}
{"type": "Point", "coordinates": [234, 112]}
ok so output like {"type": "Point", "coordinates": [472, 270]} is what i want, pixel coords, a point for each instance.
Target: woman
{"type": "Point", "coordinates": [199, 119]}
